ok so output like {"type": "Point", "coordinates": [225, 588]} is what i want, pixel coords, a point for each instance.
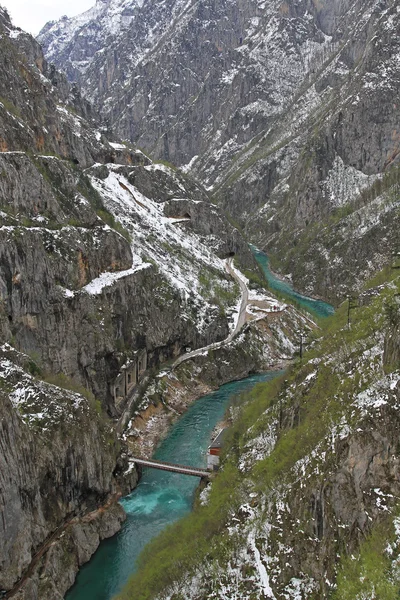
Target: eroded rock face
{"type": "Point", "coordinates": [56, 252]}
{"type": "Point", "coordinates": [336, 512]}
{"type": "Point", "coordinates": [92, 275]}
{"type": "Point", "coordinates": [58, 461]}
{"type": "Point", "coordinates": [207, 220]}
{"type": "Point", "coordinates": [77, 292]}
{"type": "Point", "coordinates": [234, 70]}
{"type": "Point", "coordinates": [56, 572]}
{"type": "Point", "coordinates": [340, 254]}
{"type": "Point", "coordinates": [285, 111]}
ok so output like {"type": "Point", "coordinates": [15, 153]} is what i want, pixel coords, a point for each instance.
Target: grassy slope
{"type": "Point", "coordinates": [295, 417]}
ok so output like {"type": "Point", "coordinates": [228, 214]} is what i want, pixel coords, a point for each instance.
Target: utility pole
{"type": "Point", "coordinates": [282, 393]}
{"type": "Point", "coordinates": [395, 260]}
{"type": "Point", "coordinates": [236, 446]}
{"type": "Point", "coordinates": [348, 312]}
{"type": "Point", "coordinates": [352, 303]}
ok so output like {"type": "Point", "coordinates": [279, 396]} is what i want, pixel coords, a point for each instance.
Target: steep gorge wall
{"type": "Point", "coordinates": [58, 459]}
{"type": "Point", "coordinates": [285, 111]}
{"type": "Point", "coordinates": [80, 295]}
{"type": "Point", "coordinates": [59, 241]}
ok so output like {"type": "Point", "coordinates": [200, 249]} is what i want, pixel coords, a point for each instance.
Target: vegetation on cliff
{"type": "Point", "coordinates": [310, 473]}
{"type": "Point", "coordinates": [101, 252]}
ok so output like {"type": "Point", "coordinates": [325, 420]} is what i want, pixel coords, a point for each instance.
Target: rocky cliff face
{"type": "Point", "coordinates": [67, 40]}
{"type": "Point", "coordinates": [69, 266]}
{"type": "Point", "coordinates": [285, 111]}
{"type": "Point", "coordinates": [58, 460]}
{"type": "Point", "coordinates": [105, 262]}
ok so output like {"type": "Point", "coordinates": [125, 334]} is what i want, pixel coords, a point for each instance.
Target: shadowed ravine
{"type": "Point", "coordinates": [161, 497]}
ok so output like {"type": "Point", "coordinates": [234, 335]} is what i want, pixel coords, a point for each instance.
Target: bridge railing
{"type": "Point", "coordinates": [172, 467]}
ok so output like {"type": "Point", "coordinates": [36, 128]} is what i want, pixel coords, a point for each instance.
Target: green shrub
{"type": "Point", "coordinates": [369, 574]}
{"type": "Point", "coordinates": [109, 219]}
{"type": "Point", "coordinates": [63, 381]}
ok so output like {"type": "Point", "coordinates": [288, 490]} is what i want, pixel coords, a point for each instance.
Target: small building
{"type": "Point", "coordinates": [214, 451]}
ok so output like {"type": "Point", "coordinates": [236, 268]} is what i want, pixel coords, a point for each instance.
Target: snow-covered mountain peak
{"type": "Point", "coordinates": [82, 36]}
{"type": "Point", "coordinates": [275, 107]}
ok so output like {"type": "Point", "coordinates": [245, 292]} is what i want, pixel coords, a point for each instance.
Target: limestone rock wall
{"type": "Point", "coordinates": [58, 460]}
{"type": "Point", "coordinates": [80, 295]}
{"type": "Point", "coordinates": [285, 111]}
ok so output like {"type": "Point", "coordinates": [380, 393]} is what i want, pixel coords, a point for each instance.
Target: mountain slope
{"type": "Point", "coordinates": [110, 265]}
{"type": "Point", "coordinates": [59, 198]}
{"type": "Point", "coordinates": [306, 505]}
{"type": "Point", "coordinates": [69, 36]}
{"type": "Point", "coordinates": [284, 110]}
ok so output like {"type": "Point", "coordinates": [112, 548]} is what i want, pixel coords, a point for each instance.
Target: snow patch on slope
{"type": "Point", "coordinates": [177, 252]}
{"type": "Point", "coordinates": [40, 405]}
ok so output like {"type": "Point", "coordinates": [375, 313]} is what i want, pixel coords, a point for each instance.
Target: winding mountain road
{"type": "Point", "coordinates": [127, 411]}
{"type": "Point", "coordinates": [239, 323]}
{"type": "Point", "coordinates": [245, 300]}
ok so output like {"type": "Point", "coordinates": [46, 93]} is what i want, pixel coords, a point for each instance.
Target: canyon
{"type": "Point", "coordinates": [143, 147]}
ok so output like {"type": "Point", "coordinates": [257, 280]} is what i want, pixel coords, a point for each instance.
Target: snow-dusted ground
{"type": "Point", "coordinates": [181, 257]}
{"type": "Point", "coordinates": [39, 404]}
{"type": "Point", "coordinates": [251, 567]}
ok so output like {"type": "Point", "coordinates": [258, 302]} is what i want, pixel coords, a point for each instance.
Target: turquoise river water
{"type": "Point", "coordinates": [318, 307]}
{"type": "Point", "coordinates": [161, 497]}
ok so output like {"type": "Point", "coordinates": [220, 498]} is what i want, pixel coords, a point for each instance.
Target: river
{"type": "Point", "coordinates": [161, 497]}
{"type": "Point", "coordinates": [318, 307]}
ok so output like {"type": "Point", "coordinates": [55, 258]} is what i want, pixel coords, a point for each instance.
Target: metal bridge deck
{"type": "Point", "coordinates": [174, 468]}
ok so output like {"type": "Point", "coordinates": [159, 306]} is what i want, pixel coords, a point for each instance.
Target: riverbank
{"type": "Point", "coordinates": [281, 286]}
{"type": "Point", "coordinates": [263, 345]}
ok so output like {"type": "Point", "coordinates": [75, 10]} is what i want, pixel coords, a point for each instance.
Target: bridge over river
{"type": "Point", "coordinates": [174, 468]}
{"type": "Point", "coordinates": [159, 500]}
